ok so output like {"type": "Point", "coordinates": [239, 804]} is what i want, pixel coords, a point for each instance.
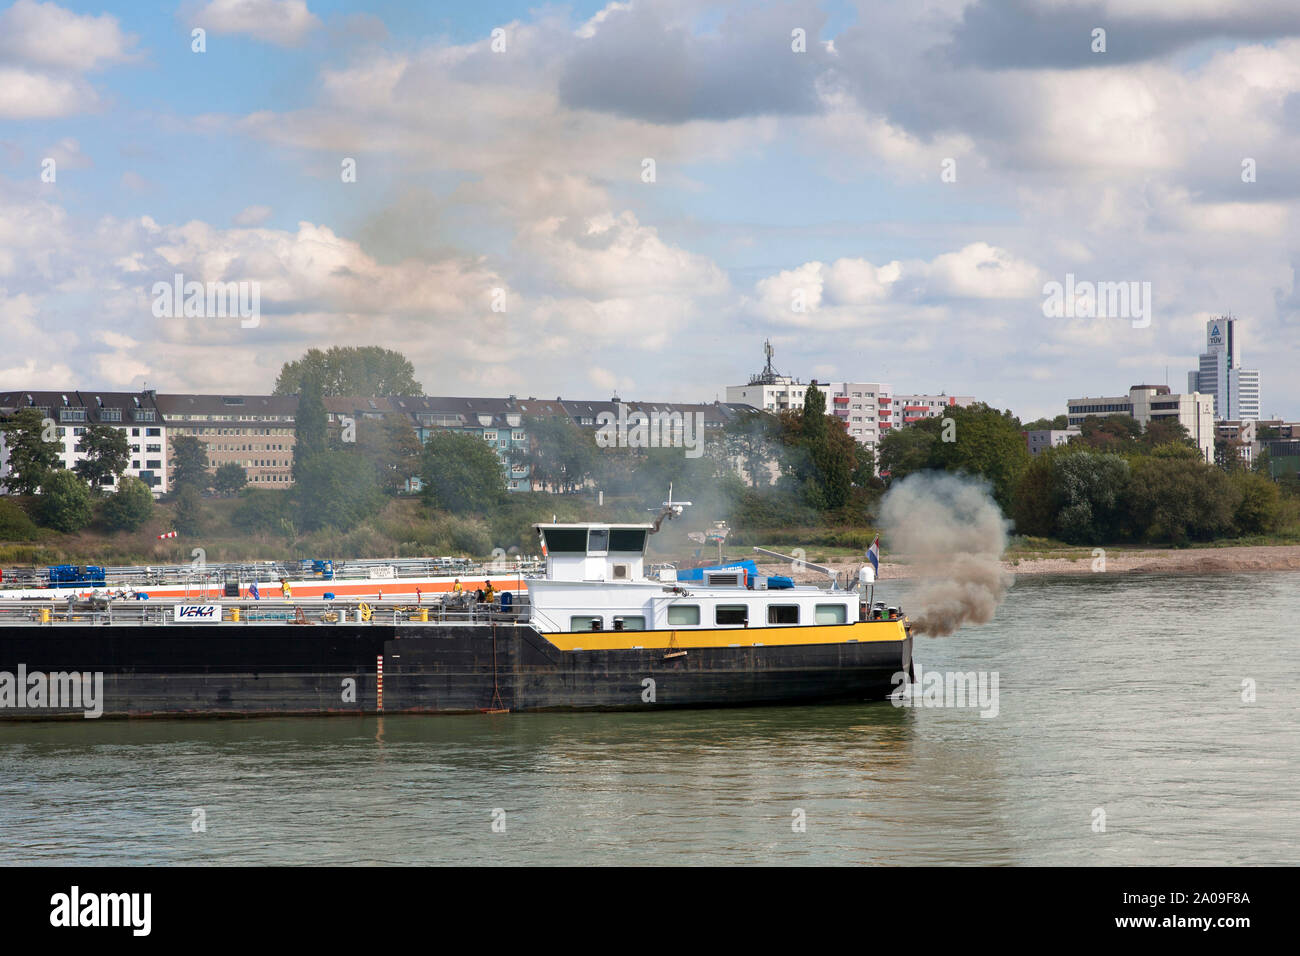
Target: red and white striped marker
{"type": "Point", "coordinates": [379, 682]}
{"type": "Point", "coordinates": [167, 534]}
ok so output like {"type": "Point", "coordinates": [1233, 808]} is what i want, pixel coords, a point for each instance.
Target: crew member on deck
{"type": "Point", "coordinates": [490, 594]}
{"type": "Point", "coordinates": [456, 587]}
{"type": "Point", "coordinates": [285, 590]}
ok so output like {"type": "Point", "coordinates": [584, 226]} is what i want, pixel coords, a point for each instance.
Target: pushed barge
{"type": "Point", "coordinates": [593, 633]}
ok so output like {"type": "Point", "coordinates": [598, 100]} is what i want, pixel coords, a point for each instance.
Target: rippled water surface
{"type": "Point", "coordinates": [1122, 694]}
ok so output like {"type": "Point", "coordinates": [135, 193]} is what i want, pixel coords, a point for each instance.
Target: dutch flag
{"type": "Point", "coordinates": [873, 554]}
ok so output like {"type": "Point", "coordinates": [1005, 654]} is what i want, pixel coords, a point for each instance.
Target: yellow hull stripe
{"type": "Point", "coordinates": [861, 632]}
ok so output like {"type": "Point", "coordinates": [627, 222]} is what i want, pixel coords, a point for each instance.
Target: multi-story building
{"type": "Point", "coordinates": [1193, 411]}
{"type": "Point", "coordinates": [1040, 439]}
{"type": "Point", "coordinates": [253, 431]}
{"type": "Point", "coordinates": [1235, 390]}
{"type": "Point", "coordinates": [769, 390]}
{"type": "Point", "coordinates": [70, 412]}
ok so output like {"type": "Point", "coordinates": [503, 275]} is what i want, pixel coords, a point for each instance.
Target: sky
{"type": "Point", "coordinates": [588, 199]}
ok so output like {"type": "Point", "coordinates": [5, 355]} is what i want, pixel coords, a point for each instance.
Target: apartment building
{"type": "Point", "coordinates": [252, 431]}
{"type": "Point", "coordinates": [70, 412]}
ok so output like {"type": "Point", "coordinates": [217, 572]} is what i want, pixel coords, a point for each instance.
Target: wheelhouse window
{"type": "Point", "coordinates": [783, 614]}
{"type": "Point", "coordinates": [684, 615]}
{"type": "Point", "coordinates": [730, 615]}
{"type": "Point", "coordinates": [598, 541]}
{"type": "Point", "coordinates": [627, 539]}
{"type": "Point", "coordinates": [832, 613]}
{"type": "Point", "coordinates": [566, 540]}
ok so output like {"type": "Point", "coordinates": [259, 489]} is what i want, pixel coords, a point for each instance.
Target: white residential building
{"type": "Point", "coordinates": [69, 413]}
{"type": "Point", "coordinates": [1194, 411]}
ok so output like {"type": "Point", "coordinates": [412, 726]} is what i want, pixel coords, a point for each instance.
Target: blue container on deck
{"type": "Point", "coordinates": [779, 583]}
{"type": "Point", "coordinates": [697, 574]}
{"type": "Point", "coordinates": [64, 574]}
{"type": "Point", "coordinates": [323, 569]}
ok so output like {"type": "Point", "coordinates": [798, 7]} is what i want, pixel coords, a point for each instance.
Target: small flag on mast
{"type": "Point", "coordinates": [873, 554]}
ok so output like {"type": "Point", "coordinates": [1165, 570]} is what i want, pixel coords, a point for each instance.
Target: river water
{"type": "Point", "coordinates": [1119, 696]}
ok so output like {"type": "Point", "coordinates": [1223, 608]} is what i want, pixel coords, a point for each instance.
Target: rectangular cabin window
{"type": "Point", "coordinates": [684, 615]}
{"type": "Point", "coordinates": [624, 539]}
{"type": "Point", "coordinates": [566, 540]}
{"type": "Point", "coordinates": [783, 614]}
{"type": "Point", "coordinates": [582, 622]}
{"type": "Point", "coordinates": [633, 622]}
{"type": "Point", "coordinates": [831, 614]}
{"type": "Point", "coordinates": [730, 615]}
{"type": "Point", "coordinates": [598, 540]}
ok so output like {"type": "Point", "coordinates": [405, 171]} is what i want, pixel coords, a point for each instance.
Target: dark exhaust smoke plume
{"type": "Point", "coordinates": [953, 533]}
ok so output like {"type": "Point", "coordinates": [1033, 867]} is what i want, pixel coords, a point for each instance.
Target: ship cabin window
{"type": "Point", "coordinates": [783, 614]}
{"type": "Point", "coordinates": [584, 622]}
{"type": "Point", "coordinates": [731, 615]}
{"type": "Point", "coordinates": [832, 613]}
{"type": "Point", "coordinates": [684, 615]}
{"type": "Point", "coordinates": [631, 622]}
{"type": "Point", "coordinates": [598, 541]}
{"type": "Point", "coordinates": [627, 540]}
{"type": "Point", "coordinates": [566, 540]}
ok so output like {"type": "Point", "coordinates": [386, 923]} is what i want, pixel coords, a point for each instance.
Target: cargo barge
{"type": "Point", "coordinates": [592, 632]}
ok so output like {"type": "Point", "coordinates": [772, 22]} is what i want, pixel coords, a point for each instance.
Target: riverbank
{"type": "Point", "coordinates": [1229, 560]}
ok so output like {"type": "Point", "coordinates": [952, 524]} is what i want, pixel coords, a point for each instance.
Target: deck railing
{"type": "Point", "coordinates": [230, 613]}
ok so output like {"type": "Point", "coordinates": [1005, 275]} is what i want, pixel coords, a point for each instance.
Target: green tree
{"type": "Point", "coordinates": [983, 441]}
{"type": "Point", "coordinates": [1259, 509]}
{"type": "Point", "coordinates": [1163, 431]}
{"type": "Point", "coordinates": [750, 439]}
{"type": "Point", "coordinates": [1034, 505]}
{"type": "Point", "coordinates": [820, 456]}
{"type": "Point", "coordinates": [368, 371]}
{"type": "Point", "coordinates": [337, 490]}
{"type": "Point", "coordinates": [461, 473]}
{"type": "Point", "coordinates": [130, 507]}
{"type": "Point", "coordinates": [309, 428]}
{"type": "Point", "coordinates": [15, 523]}
{"type": "Point", "coordinates": [107, 453]}
{"type": "Point", "coordinates": [1177, 499]}
{"type": "Point", "coordinates": [903, 451]}
{"type": "Point", "coordinates": [187, 515]}
{"type": "Point", "coordinates": [65, 502]}
{"type": "Point", "coordinates": [229, 479]}
{"type": "Point", "coordinates": [1059, 423]}
{"type": "Point", "coordinates": [1089, 497]}
{"type": "Point", "coordinates": [1117, 433]}
{"type": "Point", "coordinates": [189, 463]}
{"type": "Point", "coordinates": [392, 448]}
{"type": "Point", "coordinates": [559, 454]}
{"type": "Point", "coordinates": [31, 456]}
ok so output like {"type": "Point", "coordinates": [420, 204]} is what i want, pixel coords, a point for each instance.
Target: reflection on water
{"type": "Point", "coordinates": [1122, 694]}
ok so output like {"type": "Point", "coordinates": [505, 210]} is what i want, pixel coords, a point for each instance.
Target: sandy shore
{"type": "Point", "coordinates": [1190, 560]}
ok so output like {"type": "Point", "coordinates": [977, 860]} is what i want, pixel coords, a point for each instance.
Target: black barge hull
{"type": "Point", "coordinates": [162, 671]}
